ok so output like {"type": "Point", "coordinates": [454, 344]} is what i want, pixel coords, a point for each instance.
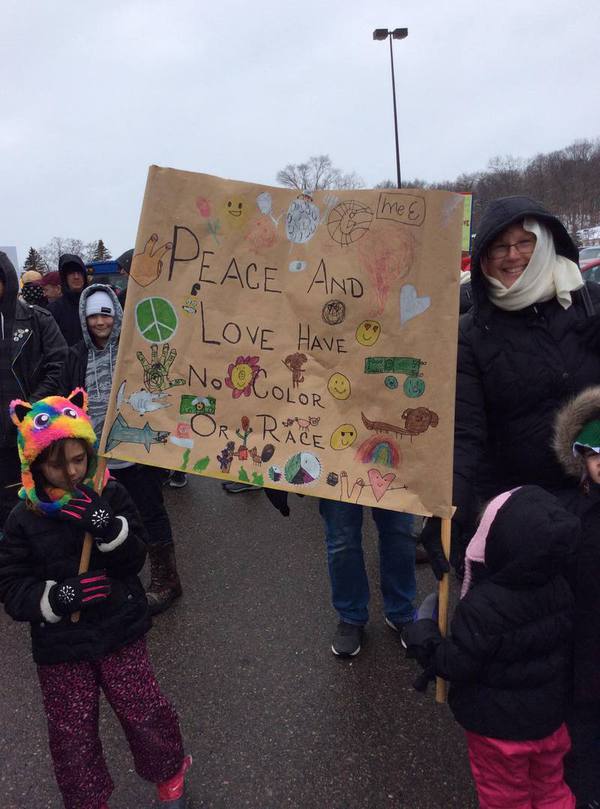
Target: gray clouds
{"type": "Point", "coordinates": [93, 93]}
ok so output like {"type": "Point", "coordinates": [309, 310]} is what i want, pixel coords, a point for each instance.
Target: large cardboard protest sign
{"type": "Point", "coordinates": [302, 343]}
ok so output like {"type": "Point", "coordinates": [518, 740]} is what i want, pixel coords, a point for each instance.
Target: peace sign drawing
{"type": "Point", "coordinates": [147, 266]}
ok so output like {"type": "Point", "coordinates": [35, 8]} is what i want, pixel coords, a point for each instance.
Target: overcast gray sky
{"type": "Point", "coordinates": [94, 92]}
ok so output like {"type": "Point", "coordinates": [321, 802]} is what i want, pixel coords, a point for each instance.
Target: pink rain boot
{"type": "Point", "coordinates": [171, 793]}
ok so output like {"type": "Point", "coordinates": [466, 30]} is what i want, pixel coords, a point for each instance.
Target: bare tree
{"type": "Point", "coordinates": [317, 174]}
{"type": "Point", "coordinates": [58, 245]}
{"type": "Point", "coordinates": [566, 181]}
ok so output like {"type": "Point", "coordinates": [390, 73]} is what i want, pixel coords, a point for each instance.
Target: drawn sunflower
{"type": "Point", "coordinates": [241, 375]}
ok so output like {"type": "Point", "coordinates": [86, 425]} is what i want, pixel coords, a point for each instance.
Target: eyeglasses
{"type": "Point", "coordinates": [524, 248]}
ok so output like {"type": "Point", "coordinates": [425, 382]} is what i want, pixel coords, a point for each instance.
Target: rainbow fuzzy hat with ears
{"type": "Point", "coordinates": [39, 425]}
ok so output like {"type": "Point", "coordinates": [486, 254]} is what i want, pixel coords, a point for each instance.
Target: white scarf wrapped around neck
{"type": "Point", "coordinates": [547, 275]}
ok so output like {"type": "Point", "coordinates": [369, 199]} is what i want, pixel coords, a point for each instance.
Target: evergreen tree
{"type": "Point", "coordinates": [34, 262]}
{"type": "Point", "coordinates": [101, 253]}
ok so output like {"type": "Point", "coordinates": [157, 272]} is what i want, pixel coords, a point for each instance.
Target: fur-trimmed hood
{"type": "Point", "coordinates": [569, 422]}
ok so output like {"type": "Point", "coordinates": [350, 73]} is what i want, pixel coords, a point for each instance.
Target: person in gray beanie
{"type": "Point", "coordinates": [90, 364]}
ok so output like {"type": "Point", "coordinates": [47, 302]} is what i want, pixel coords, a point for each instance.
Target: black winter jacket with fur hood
{"type": "Point", "coordinates": [584, 501]}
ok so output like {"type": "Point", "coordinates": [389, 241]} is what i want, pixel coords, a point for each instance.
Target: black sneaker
{"type": "Point", "coordinates": [178, 480]}
{"type": "Point", "coordinates": [233, 487]}
{"type": "Point", "coordinates": [398, 626]}
{"type": "Point", "coordinates": [347, 640]}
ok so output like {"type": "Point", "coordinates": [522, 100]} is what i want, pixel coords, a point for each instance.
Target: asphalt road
{"type": "Point", "coordinates": [272, 718]}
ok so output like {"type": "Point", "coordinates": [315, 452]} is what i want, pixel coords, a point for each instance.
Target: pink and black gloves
{"type": "Point", "coordinates": [91, 512]}
{"type": "Point", "coordinates": [79, 592]}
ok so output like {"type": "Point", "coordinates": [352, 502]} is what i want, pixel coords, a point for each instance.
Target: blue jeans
{"type": "Point", "coordinates": [349, 583]}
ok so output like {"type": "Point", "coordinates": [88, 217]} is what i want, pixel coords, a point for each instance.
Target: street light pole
{"type": "Point", "coordinates": [397, 33]}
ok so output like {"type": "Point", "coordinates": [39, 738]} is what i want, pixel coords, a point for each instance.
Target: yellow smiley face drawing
{"type": "Point", "coordinates": [339, 386]}
{"type": "Point", "coordinates": [236, 211]}
{"type": "Point", "coordinates": [368, 332]}
{"type": "Point", "coordinates": [343, 437]}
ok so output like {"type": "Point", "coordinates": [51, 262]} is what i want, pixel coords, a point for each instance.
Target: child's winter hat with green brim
{"type": "Point", "coordinates": [588, 438]}
{"type": "Point", "coordinates": [41, 424]}
{"type": "Point", "coordinates": [576, 427]}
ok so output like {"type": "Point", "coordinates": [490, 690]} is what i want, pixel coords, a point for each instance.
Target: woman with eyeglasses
{"type": "Point", "coordinates": [524, 348]}
{"type": "Point", "coordinates": [530, 343]}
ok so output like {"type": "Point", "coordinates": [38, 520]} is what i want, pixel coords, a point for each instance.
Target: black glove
{"type": "Point", "coordinates": [424, 678]}
{"type": "Point", "coordinates": [92, 513]}
{"type": "Point", "coordinates": [421, 639]}
{"type": "Point", "coordinates": [78, 592]}
{"type": "Point", "coordinates": [431, 539]}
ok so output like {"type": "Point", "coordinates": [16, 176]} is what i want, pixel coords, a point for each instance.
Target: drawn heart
{"type": "Point", "coordinates": [410, 303]}
{"type": "Point", "coordinates": [380, 483]}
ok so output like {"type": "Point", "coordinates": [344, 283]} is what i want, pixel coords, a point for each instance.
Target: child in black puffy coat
{"type": "Point", "coordinates": [105, 649]}
{"type": "Point", "coordinates": [507, 656]}
{"type": "Point", "coordinates": [577, 445]}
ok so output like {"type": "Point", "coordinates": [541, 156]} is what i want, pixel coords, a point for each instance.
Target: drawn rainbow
{"type": "Point", "coordinates": [379, 450]}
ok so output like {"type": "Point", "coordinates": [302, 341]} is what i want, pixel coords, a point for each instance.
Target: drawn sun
{"type": "Point", "coordinates": [241, 375]}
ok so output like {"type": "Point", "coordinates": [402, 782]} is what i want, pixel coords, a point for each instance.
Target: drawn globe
{"type": "Point", "coordinates": [349, 221]}
{"type": "Point", "coordinates": [156, 319]}
{"type": "Point", "coordinates": [302, 219]}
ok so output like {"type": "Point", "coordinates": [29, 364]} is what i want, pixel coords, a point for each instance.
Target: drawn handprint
{"type": "Point", "coordinates": [147, 266]}
{"type": "Point", "coordinates": [156, 372]}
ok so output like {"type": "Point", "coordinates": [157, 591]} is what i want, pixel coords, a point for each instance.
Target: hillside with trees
{"type": "Point", "coordinates": [567, 181]}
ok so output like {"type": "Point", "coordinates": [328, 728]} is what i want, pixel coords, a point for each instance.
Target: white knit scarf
{"type": "Point", "coordinates": [547, 275]}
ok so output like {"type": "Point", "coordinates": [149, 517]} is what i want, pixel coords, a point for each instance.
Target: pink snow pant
{"type": "Point", "coordinates": [71, 694]}
{"type": "Point", "coordinates": [521, 775]}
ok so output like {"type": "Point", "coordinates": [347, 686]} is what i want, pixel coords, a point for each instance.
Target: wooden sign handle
{"type": "Point", "coordinates": [88, 540]}
{"type": "Point", "coordinates": [441, 686]}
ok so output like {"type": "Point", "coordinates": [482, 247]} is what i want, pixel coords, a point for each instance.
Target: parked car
{"type": "Point", "coordinates": [591, 270]}
{"type": "Point", "coordinates": [587, 254]}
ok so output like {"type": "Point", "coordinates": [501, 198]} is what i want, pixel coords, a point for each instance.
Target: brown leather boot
{"type": "Point", "coordinates": [164, 585]}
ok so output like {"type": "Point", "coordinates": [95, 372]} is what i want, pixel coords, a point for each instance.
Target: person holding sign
{"type": "Point", "coordinates": [348, 576]}
{"type": "Point", "coordinates": [105, 649]}
{"type": "Point", "coordinates": [527, 344]}
{"type": "Point", "coordinates": [90, 365]}
{"type": "Point", "coordinates": [508, 655]}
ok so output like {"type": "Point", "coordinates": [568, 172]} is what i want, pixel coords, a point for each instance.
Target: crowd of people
{"type": "Point", "coordinates": [523, 653]}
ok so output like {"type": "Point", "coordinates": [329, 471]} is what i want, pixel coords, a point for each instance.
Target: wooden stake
{"type": "Point", "coordinates": [441, 686]}
{"type": "Point", "coordinates": [88, 540]}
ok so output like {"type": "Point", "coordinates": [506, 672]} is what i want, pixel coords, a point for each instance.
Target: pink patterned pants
{"type": "Point", "coordinates": [71, 695]}
{"type": "Point", "coordinates": [521, 775]}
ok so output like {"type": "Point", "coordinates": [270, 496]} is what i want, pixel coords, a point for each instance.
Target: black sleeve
{"type": "Point", "coordinates": [462, 655]}
{"type": "Point", "coordinates": [72, 373]}
{"type": "Point", "coordinates": [470, 427]}
{"type": "Point", "coordinates": [128, 557]}
{"type": "Point", "coordinates": [54, 352]}
{"type": "Point", "coordinates": [21, 590]}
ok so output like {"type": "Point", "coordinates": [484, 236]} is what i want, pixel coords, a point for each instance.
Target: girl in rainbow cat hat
{"type": "Point", "coordinates": [105, 649]}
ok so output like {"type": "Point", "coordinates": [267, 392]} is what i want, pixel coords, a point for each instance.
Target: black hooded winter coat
{"type": "Point", "coordinates": [515, 369]}
{"type": "Point", "coordinates": [508, 656]}
{"type": "Point", "coordinates": [32, 351]}
{"type": "Point", "coordinates": [65, 310]}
